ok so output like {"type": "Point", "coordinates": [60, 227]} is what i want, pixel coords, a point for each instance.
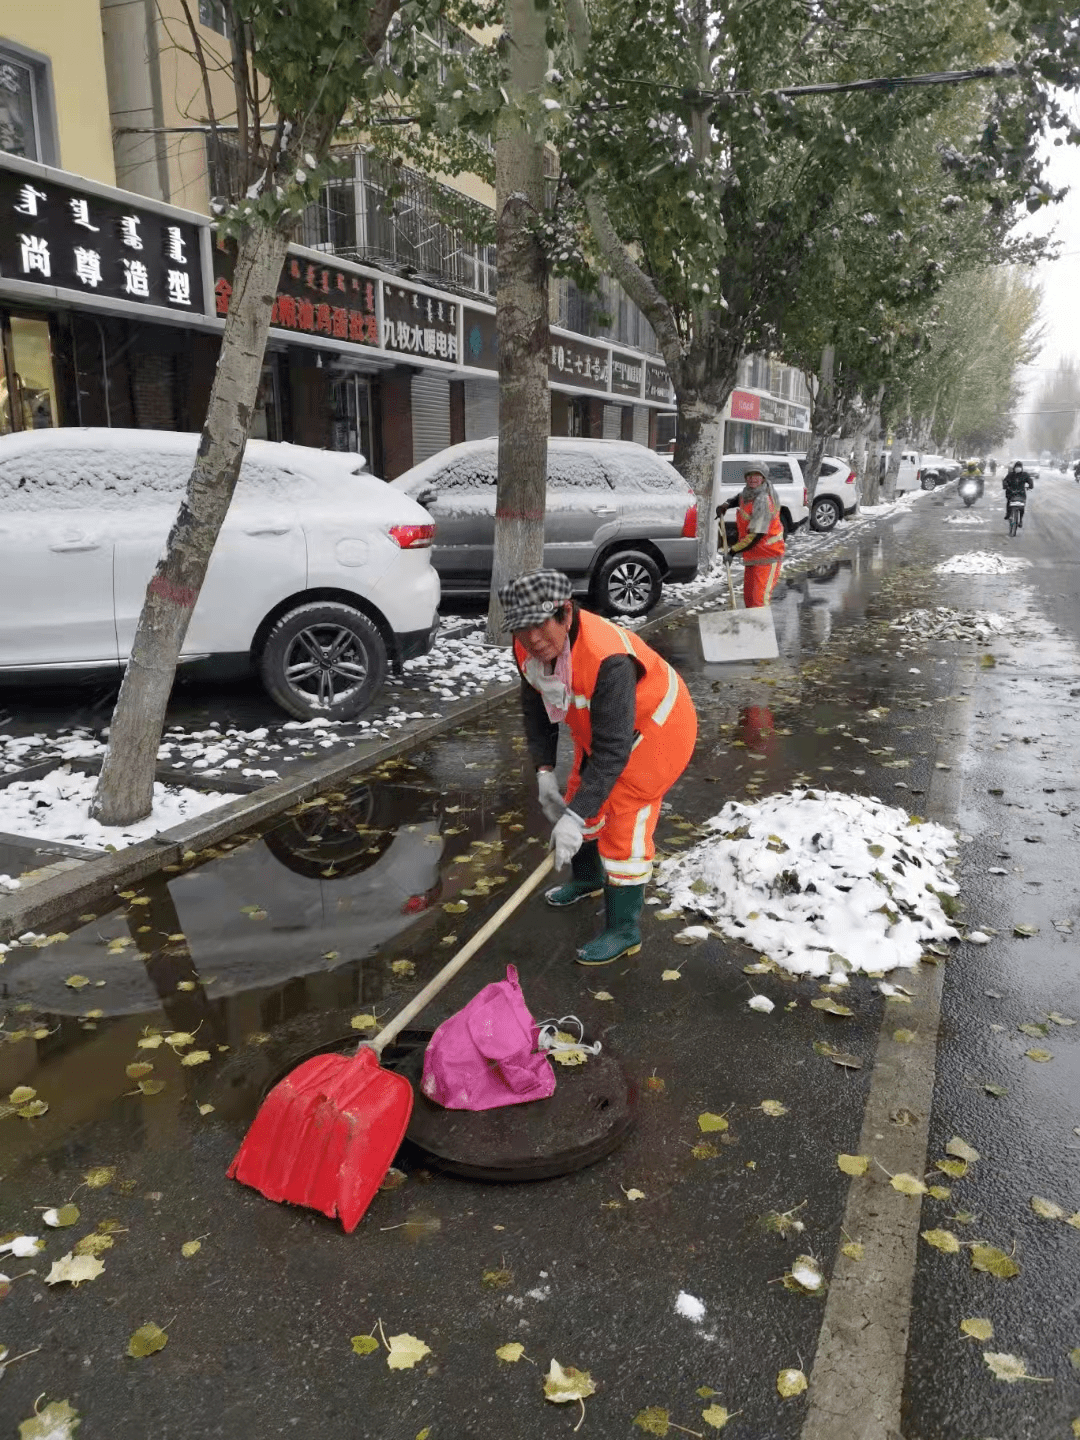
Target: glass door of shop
{"type": "Point", "coordinates": [27, 383]}
{"type": "Point", "coordinates": [350, 429]}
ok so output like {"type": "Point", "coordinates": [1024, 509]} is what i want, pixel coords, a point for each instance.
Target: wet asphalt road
{"type": "Point", "coordinates": [291, 933]}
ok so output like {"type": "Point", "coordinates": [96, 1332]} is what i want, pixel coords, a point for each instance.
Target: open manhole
{"type": "Point", "coordinates": [590, 1114]}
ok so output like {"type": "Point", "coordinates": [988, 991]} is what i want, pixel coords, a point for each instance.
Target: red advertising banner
{"type": "Point", "coordinates": [319, 299]}
{"type": "Point", "coordinates": [745, 406]}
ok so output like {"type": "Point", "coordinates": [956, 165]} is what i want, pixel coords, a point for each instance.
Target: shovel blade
{"type": "Point", "coordinates": [738, 635]}
{"type": "Point", "coordinates": [326, 1135]}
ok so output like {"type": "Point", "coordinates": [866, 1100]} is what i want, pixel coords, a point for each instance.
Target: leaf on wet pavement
{"type": "Point", "coordinates": [1009, 1368]}
{"type": "Point", "coordinates": [1046, 1209]}
{"type": "Point", "coordinates": [93, 1244]}
{"type": "Point", "coordinates": [65, 1215]}
{"type": "Point", "coordinates": [562, 1385]}
{"type": "Point", "coordinates": [405, 968]}
{"type": "Point", "coordinates": [943, 1240]}
{"type": "Point", "coordinates": [955, 1169]}
{"type": "Point", "coordinates": [511, 1352]}
{"type": "Point", "coordinates": [602, 995]}
{"type": "Point", "coordinates": [977, 1328]}
{"type": "Point", "coordinates": [74, 1269]}
{"type": "Point", "coordinates": [99, 1176]}
{"type": "Point", "coordinates": [205, 1109]}
{"type": "Point", "coordinates": [150, 1042]}
{"type": "Point", "coordinates": [497, 1279]}
{"type": "Point", "coordinates": [190, 1247]}
{"type": "Point", "coordinates": [363, 1022]}
{"type": "Point", "coordinates": [456, 907]}
{"type": "Point", "coordinates": [992, 1261]}
{"type": "Point", "coordinates": [773, 1108]}
{"type": "Point", "coordinates": [364, 1344]}
{"type": "Point", "coordinates": [671, 975]}
{"type": "Point", "coordinates": [907, 1184]}
{"type": "Point", "coordinates": [853, 1164]}
{"type": "Point", "coordinates": [716, 1416]}
{"type": "Point", "coordinates": [33, 1110]}
{"type": "Point", "coordinates": [151, 1087]}
{"type": "Point", "coordinates": [21, 1095]}
{"type": "Point", "coordinates": [905, 1037]}
{"type": "Point", "coordinates": [653, 1420]}
{"type": "Point", "coordinates": [790, 1382]}
{"type": "Point", "coordinates": [938, 1192]}
{"type": "Point", "coordinates": [77, 982]}
{"type": "Point", "coordinates": [1060, 1019]}
{"type": "Point", "coordinates": [704, 1150]}
{"type": "Point", "coordinates": [1039, 1056]}
{"type": "Point", "coordinates": [147, 1340]}
{"type": "Point", "coordinates": [708, 1122]}
{"type": "Point", "coordinates": [822, 1002]}
{"type": "Point", "coordinates": [1025, 932]}
{"type": "Point", "coordinates": [853, 1249]}
{"type": "Point", "coordinates": [180, 1039]}
{"type": "Point", "coordinates": [995, 1090]}
{"type": "Point", "coordinates": [404, 1351]}
{"type": "Point", "coordinates": [58, 1421]}
{"type": "Point", "coordinates": [962, 1150]}
{"type": "Point", "coordinates": [806, 1273]}
{"type": "Point", "coordinates": [1034, 1030]}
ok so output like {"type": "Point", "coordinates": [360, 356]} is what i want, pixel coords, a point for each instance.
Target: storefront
{"type": "Point", "coordinates": [764, 424]}
{"type": "Point", "coordinates": [112, 307]}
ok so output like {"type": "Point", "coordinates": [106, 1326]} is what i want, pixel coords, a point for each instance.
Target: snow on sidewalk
{"type": "Point", "coordinates": [944, 623]}
{"type": "Point", "coordinates": [981, 562]}
{"type": "Point", "coordinates": [57, 807]}
{"type": "Point", "coordinates": [820, 882]}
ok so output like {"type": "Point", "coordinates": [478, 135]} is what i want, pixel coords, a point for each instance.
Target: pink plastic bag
{"type": "Point", "coordinates": [485, 1055]}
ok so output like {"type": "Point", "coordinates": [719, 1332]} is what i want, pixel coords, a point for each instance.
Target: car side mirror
{"type": "Point", "coordinates": [427, 496]}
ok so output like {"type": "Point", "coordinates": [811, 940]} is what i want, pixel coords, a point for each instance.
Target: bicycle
{"type": "Point", "coordinates": [1016, 515]}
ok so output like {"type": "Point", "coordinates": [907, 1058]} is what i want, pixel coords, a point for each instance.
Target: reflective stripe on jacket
{"type": "Point", "coordinates": [767, 547]}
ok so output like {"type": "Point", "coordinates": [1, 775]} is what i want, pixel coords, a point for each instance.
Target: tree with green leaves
{"type": "Point", "coordinates": [299, 69]}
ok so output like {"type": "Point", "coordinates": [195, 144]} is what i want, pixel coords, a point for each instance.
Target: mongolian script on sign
{"type": "Point", "coordinates": [318, 300]}
{"type": "Point", "coordinates": [419, 324]}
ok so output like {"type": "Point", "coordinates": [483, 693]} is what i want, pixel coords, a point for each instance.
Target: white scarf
{"type": "Point", "coordinates": [553, 685]}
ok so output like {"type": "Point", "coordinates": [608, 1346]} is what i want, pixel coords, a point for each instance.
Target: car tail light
{"type": "Point", "coordinates": [918, 477]}
{"type": "Point", "coordinates": [851, 478]}
{"type": "Point", "coordinates": [412, 537]}
{"type": "Point", "coordinates": [805, 496]}
{"type": "Point", "coordinates": [689, 524]}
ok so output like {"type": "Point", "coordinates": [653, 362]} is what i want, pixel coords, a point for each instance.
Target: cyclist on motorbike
{"type": "Point", "coordinates": [1016, 482]}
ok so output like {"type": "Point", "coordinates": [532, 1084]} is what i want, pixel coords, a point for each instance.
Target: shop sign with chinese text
{"type": "Point", "coordinates": [52, 234]}
{"type": "Point", "coordinates": [627, 373]}
{"type": "Point", "coordinates": [745, 406]}
{"type": "Point", "coordinates": [311, 297]}
{"type": "Point", "coordinates": [575, 362]}
{"type": "Point", "coordinates": [419, 324]}
{"type": "Point", "coordinates": [658, 384]}
{"type": "Point", "coordinates": [479, 340]}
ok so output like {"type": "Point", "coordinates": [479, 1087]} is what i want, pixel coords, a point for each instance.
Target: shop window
{"type": "Point", "coordinates": [27, 384]}
{"type": "Point", "coordinates": [26, 106]}
{"type": "Point", "coordinates": [213, 15]}
{"type": "Point", "coordinates": [350, 398]}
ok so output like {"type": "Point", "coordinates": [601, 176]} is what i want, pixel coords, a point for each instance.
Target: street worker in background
{"type": "Point", "coordinates": [1016, 482]}
{"type": "Point", "coordinates": [761, 534]}
{"type": "Point", "coordinates": [633, 725]}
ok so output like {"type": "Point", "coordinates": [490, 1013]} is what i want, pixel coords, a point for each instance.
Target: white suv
{"type": "Point", "coordinates": [786, 475]}
{"type": "Point", "coordinates": [321, 576]}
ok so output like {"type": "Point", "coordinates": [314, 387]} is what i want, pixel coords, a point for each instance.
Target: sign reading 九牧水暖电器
{"type": "Point", "coordinates": [57, 235]}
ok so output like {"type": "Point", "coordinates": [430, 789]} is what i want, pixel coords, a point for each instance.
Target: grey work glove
{"type": "Point", "coordinates": [551, 800]}
{"type": "Point", "coordinates": [566, 838]}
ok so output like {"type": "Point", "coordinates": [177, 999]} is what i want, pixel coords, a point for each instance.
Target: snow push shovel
{"type": "Point", "coordinates": [736, 634]}
{"type": "Point", "coordinates": [326, 1135]}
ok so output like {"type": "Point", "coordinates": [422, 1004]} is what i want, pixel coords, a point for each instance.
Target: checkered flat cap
{"type": "Point", "coordinates": [532, 599]}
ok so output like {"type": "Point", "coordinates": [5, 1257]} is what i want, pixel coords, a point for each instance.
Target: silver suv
{"type": "Point", "coordinates": [619, 520]}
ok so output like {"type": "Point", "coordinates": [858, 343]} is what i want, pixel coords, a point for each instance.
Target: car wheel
{"type": "Point", "coordinates": [323, 659]}
{"type": "Point", "coordinates": [929, 482]}
{"type": "Point", "coordinates": [627, 583]}
{"type": "Point", "coordinates": [825, 513]}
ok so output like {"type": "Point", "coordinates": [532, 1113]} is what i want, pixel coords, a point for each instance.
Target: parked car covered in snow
{"type": "Point", "coordinates": [321, 577]}
{"type": "Point", "coordinates": [836, 495]}
{"type": "Point", "coordinates": [619, 520]}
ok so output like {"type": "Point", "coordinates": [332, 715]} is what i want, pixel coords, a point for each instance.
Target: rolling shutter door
{"type": "Point", "coordinates": [430, 415]}
{"type": "Point", "coordinates": [641, 425]}
{"type": "Point", "coordinates": [481, 409]}
{"type": "Point", "coordinates": [612, 422]}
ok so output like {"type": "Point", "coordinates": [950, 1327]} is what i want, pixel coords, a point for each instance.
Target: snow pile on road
{"type": "Point", "coordinates": [964, 520]}
{"type": "Point", "coordinates": [981, 562]}
{"type": "Point", "coordinates": [461, 664]}
{"type": "Point", "coordinates": [57, 807]}
{"type": "Point", "coordinates": [943, 623]}
{"type": "Point", "coordinates": [820, 882]}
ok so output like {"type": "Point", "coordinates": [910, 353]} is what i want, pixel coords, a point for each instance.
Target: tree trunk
{"type": "Point", "coordinates": [125, 790]}
{"type": "Point", "coordinates": [697, 449]}
{"type": "Point", "coordinates": [823, 420]}
{"type": "Point", "coordinates": [892, 474]}
{"type": "Point", "coordinates": [869, 468]}
{"type": "Point", "coordinates": [521, 309]}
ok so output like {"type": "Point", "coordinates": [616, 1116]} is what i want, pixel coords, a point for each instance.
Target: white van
{"type": "Point", "coordinates": [786, 475]}
{"type": "Point", "coordinates": [908, 477]}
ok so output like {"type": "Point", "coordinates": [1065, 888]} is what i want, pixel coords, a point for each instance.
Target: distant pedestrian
{"type": "Point", "coordinates": [761, 534]}
{"type": "Point", "coordinates": [634, 727]}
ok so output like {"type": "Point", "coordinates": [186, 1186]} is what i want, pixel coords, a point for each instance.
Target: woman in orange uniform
{"type": "Point", "coordinates": [761, 534]}
{"type": "Point", "coordinates": [633, 725]}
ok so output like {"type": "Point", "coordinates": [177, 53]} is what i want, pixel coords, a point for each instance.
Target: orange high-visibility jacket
{"type": "Point", "coordinates": [661, 700]}
{"type": "Point", "coordinates": [770, 546]}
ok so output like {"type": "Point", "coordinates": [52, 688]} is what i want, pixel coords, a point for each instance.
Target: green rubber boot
{"type": "Point", "coordinates": [621, 936]}
{"type": "Point", "coordinates": [587, 871]}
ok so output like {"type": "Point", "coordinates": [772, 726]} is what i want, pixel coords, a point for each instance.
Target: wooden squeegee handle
{"type": "Point", "coordinates": [727, 566]}
{"type": "Point", "coordinates": [461, 959]}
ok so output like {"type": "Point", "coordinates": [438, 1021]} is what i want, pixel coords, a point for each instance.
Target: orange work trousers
{"type": "Point", "coordinates": [759, 582]}
{"type": "Point", "coordinates": [627, 820]}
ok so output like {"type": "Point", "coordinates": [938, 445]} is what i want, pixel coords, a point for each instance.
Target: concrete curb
{"type": "Point", "coordinates": [64, 894]}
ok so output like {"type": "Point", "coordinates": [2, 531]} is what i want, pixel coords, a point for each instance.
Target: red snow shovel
{"type": "Point", "coordinates": [326, 1135]}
